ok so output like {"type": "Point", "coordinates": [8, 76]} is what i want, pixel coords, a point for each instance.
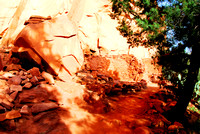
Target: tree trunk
{"type": "Point", "coordinates": [177, 113]}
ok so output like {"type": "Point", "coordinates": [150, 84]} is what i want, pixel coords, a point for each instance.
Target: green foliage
{"type": "Point", "coordinates": [172, 28]}
{"type": "Point", "coordinates": [152, 22]}
{"type": "Point", "coordinates": [125, 29]}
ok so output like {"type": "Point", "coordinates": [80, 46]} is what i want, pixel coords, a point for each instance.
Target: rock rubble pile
{"type": "Point", "coordinates": [24, 93]}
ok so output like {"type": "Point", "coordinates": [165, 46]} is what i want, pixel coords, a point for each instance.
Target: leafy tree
{"type": "Point", "coordinates": [173, 27]}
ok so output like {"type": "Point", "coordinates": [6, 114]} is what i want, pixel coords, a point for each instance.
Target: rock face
{"type": "Point", "coordinates": [55, 42]}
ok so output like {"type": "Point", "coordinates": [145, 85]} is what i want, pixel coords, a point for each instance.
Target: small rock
{"type": "Point", "coordinates": [13, 67]}
{"type": "Point", "coordinates": [8, 98]}
{"type": "Point", "coordinates": [173, 127]}
{"type": "Point", "coordinates": [16, 80]}
{"type": "Point", "coordinates": [13, 114]}
{"type": "Point", "coordinates": [178, 124]}
{"type": "Point", "coordinates": [28, 85]}
{"type": "Point", "coordinates": [23, 77]}
{"type": "Point", "coordinates": [95, 96]}
{"type": "Point", "coordinates": [48, 77]}
{"type": "Point", "coordinates": [25, 81]}
{"type": "Point", "coordinates": [34, 80]}
{"type": "Point", "coordinates": [15, 88]}
{"type": "Point", "coordinates": [21, 73]}
{"type": "Point", "coordinates": [10, 115]}
{"type": "Point", "coordinates": [13, 95]}
{"type": "Point", "coordinates": [40, 78]}
{"type": "Point", "coordinates": [29, 76]}
{"type": "Point", "coordinates": [40, 107]}
{"type": "Point", "coordinates": [24, 110]}
{"type": "Point", "coordinates": [34, 71]}
{"type": "Point", "coordinates": [6, 75]}
{"type": "Point", "coordinates": [4, 102]}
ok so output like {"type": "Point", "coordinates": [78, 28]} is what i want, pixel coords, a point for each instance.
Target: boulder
{"type": "Point", "coordinates": [54, 41]}
{"type": "Point", "coordinates": [40, 107]}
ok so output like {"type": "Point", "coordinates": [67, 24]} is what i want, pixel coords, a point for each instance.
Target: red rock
{"type": "Point", "coordinates": [25, 81]}
{"type": "Point", "coordinates": [16, 80]}
{"type": "Point", "coordinates": [24, 110]}
{"type": "Point", "coordinates": [34, 71]}
{"type": "Point", "coordinates": [40, 107]}
{"type": "Point", "coordinates": [23, 77]}
{"type": "Point", "coordinates": [40, 78]}
{"type": "Point", "coordinates": [173, 127]}
{"type": "Point", "coordinates": [13, 67]}
{"type": "Point", "coordinates": [13, 114]}
{"type": "Point", "coordinates": [6, 75]}
{"type": "Point", "coordinates": [15, 88]}
{"type": "Point", "coordinates": [48, 77]}
{"type": "Point", "coordinates": [4, 102]}
{"type": "Point", "coordinates": [13, 95]}
{"type": "Point", "coordinates": [59, 50]}
{"type": "Point", "coordinates": [34, 80]}
{"type": "Point", "coordinates": [142, 130]}
{"type": "Point", "coordinates": [28, 85]}
{"type": "Point", "coordinates": [172, 104]}
{"type": "Point", "coordinates": [21, 73]}
{"type": "Point", "coordinates": [10, 115]}
{"type": "Point", "coordinates": [178, 124]}
{"type": "Point", "coordinates": [29, 76]}
{"type": "Point", "coordinates": [35, 95]}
